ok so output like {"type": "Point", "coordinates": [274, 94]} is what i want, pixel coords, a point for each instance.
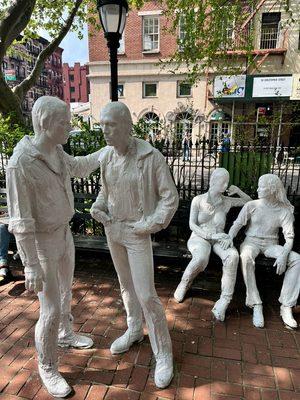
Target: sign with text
{"type": "Point", "coordinates": [296, 87]}
{"type": "Point", "coordinates": [10, 75]}
{"type": "Point", "coordinates": [272, 86]}
{"type": "Point", "coordinates": [230, 86]}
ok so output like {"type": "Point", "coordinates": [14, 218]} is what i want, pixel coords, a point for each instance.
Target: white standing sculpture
{"type": "Point", "coordinates": [41, 204]}
{"type": "Point", "coordinates": [137, 198]}
{"type": "Point", "coordinates": [207, 222]}
{"type": "Point", "coordinates": [263, 218]}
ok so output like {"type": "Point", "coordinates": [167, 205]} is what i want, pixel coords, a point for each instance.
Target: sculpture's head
{"type": "Point", "coordinates": [51, 117]}
{"type": "Point", "coordinates": [219, 180]}
{"type": "Point", "coordinates": [270, 187]}
{"type": "Point", "coordinates": [116, 123]}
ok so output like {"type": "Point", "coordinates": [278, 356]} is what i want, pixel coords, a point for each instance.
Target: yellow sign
{"type": "Point", "coordinates": [296, 87]}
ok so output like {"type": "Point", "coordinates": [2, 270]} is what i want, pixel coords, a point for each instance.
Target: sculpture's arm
{"type": "Point", "coordinates": [243, 197]}
{"type": "Point", "coordinates": [82, 166]}
{"type": "Point", "coordinates": [167, 203]}
{"type": "Point", "coordinates": [99, 210]}
{"type": "Point", "coordinates": [241, 221]}
{"type": "Point", "coordinates": [22, 225]}
{"type": "Point", "coordinates": [288, 233]}
{"type": "Point", "coordinates": [193, 222]}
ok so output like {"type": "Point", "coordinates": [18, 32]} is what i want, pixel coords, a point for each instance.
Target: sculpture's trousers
{"type": "Point", "coordinates": [133, 260]}
{"type": "Point", "coordinates": [56, 256]}
{"type": "Point", "coordinates": [200, 249]}
{"type": "Point", "coordinates": [250, 249]}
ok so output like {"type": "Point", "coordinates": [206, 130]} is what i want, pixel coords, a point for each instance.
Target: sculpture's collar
{"type": "Point", "coordinates": [143, 149]}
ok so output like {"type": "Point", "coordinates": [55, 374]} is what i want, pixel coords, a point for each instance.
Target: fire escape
{"type": "Point", "coordinates": [269, 38]}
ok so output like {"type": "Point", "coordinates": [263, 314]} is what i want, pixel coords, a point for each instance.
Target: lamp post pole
{"type": "Point", "coordinates": [112, 15]}
{"type": "Point", "coordinates": [113, 45]}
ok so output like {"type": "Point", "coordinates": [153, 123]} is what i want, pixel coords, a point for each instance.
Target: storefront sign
{"type": "Point", "coordinates": [272, 86]}
{"type": "Point", "coordinates": [230, 86]}
{"type": "Point", "coordinates": [296, 87]}
{"type": "Point", "coordinates": [10, 75]}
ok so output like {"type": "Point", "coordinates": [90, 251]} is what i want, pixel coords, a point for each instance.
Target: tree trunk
{"type": "Point", "coordinates": [10, 104]}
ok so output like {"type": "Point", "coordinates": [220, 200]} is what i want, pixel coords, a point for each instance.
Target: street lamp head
{"type": "Point", "coordinates": [112, 15]}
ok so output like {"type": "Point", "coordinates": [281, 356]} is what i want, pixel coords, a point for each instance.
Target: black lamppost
{"type": "Point", "coordinates": [112, 15]}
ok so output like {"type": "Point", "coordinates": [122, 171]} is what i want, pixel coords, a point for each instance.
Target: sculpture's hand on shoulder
{"type": "Point", "coordinates": [280, 263]}
{"type": "Point", "coordinates": [34, 278]}
{"type": "Point", "coordinates": [233, 190]}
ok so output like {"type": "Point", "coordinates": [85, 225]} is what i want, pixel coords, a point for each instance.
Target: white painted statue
{"type": "Point", "coordinates": [264, 217]}
{"type": "Point", "coordinates": [41, 204]}
{"type": "Point", "coordinates": [207, 222]}
{"type": "Point", "coordinates": [137, 198]}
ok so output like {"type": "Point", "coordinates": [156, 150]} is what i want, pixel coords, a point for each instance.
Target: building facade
{"type": "Point", "coordinates": [76, 85]}
{"type": "Point", "coordinates": [17, 66]}
{"type": "Point", "coordinates": [155, 94]}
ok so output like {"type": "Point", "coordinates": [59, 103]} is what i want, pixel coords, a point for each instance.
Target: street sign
{"type": "Point", "coordinates": [10, 75]}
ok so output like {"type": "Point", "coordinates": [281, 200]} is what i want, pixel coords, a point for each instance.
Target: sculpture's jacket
{"type": "Point", "coordinates": [158, 198]}
{"type": "Point", "coordinates": [40, 199]}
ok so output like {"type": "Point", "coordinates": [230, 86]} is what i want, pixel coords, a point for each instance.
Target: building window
{"type": "Point", "coordinates": [151, 34]}
{"type": "Point", "coordinates": [4, 65]}
{"type": "Point", "coordinates": [121, 90]}
{"type": "Point", "coordinates": [219, 130]}
{"type": "Point", "coordinates": [184, 89]}
{"type": "Point", "coordinates": [121, 49]}
{"type": "Point", "coordinates": [72, 78]}
{"type": "Point", "coordinates": [151, 124]}
{"type": "Point", "coordinates": [149, 89]}
{"type": "Point", "coordinates": [72, 89]}
{"type": "Point", "coordinates": [183, 124]}
{"type": "Point", "coordinates": [270, 29]}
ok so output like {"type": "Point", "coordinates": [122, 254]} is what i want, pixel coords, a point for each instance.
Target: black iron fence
{"type": "Point", "coordinates": [192, 167]}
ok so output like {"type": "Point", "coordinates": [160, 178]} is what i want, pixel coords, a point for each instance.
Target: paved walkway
{"type": "Point", "coordinates": [213, 361]}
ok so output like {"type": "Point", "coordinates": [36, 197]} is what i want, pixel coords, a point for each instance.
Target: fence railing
{"type": "Point", "coordinates": [191, 167]}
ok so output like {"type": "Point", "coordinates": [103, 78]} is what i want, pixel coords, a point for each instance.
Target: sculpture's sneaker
{"type": "Point", "coordinates": [54, 382]}
{"type": "Point", "coordinates": [76, 341]}
{"type": "Point", "coordinates": [258, 317]}
{"type": "Point", "coordinates": [163, 371]}
{"type": "Point", "coordinates": [180, 292]}
{"type": "Point", "coordinates": [287, 317]}
{"type": "Point", "coordinates": [220, 308]}
{"type": "Point", "coordinates": [124, 342]}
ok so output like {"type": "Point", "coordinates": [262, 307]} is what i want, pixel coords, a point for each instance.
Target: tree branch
{"type": "Point", "coordinates": [17, 17]}
{"type": "Point", "coordinates": [21, 89]}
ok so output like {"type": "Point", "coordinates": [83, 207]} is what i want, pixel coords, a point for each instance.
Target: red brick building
{"type": "Point", "coordinates": [76, 85]}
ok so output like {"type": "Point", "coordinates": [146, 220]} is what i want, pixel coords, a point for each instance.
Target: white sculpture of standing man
{"type": "Point", "coordinates": [263, 218]}
{"type": "Point", "coordinates": [207, 222]}
{"type": "Point", "coordinates": [41, 204]}
{"type": "Point", "coordinates": [137, 198]}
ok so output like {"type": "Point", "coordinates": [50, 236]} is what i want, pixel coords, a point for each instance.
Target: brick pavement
{"type": "Point", "coordinates": [213, 361]}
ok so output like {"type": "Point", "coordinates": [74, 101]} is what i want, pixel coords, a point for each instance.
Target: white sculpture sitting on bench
{"type": "Point", "coordinates": [263, 218]}
{"type": "Point", "coordinates": [207, 222]}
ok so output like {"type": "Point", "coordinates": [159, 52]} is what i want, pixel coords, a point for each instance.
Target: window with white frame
{"type": "Point", "coordinates": [151, 33]}
{"type": "Point", "coordinates": [184, 89]}
{"type": "Point", "coordinates": [149, 89]}
{"type": "Point", "coordinates": [121, 49]}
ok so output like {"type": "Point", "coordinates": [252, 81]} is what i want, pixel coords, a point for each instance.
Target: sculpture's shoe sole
{"type": "Point", "coordinates": [124, 350]}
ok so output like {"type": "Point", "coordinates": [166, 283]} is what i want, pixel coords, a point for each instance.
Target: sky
{"type": "Point", "coordinates": [75, 50]}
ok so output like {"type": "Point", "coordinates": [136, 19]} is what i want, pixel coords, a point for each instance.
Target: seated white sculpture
{"type": "Point", "coordinates": [41, 204]}
{"type": "Point", "coordinates": [137, 198]}
{"type": "Point", "coordinates": [207, 222]}
{"type": "Point", "coordinates": [264, 217]}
